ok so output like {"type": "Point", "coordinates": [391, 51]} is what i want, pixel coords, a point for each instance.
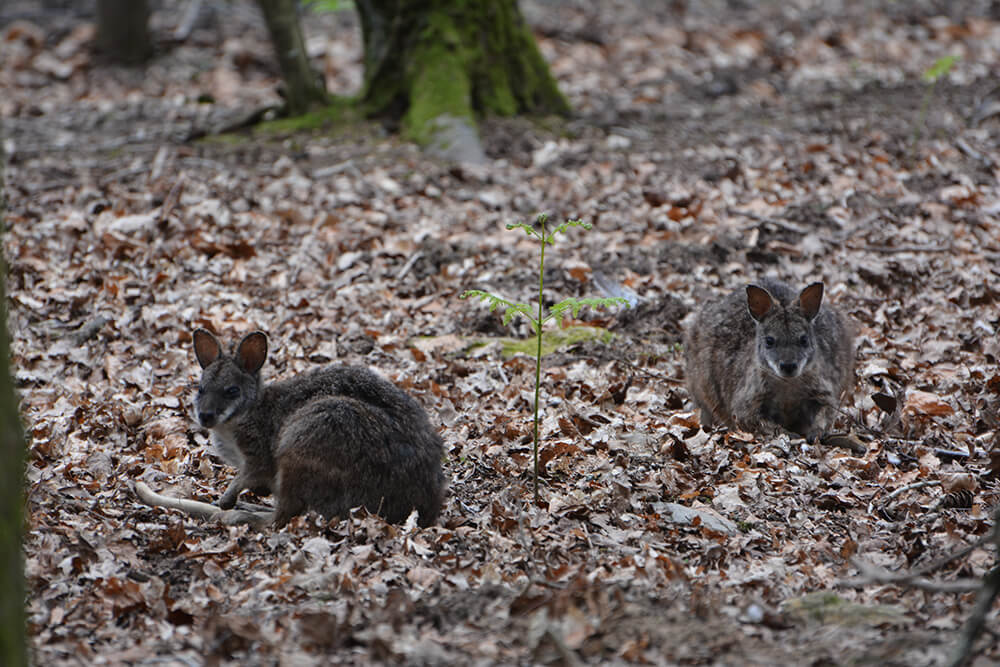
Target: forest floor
{"type": "Point", "coordinates": [713, 142]}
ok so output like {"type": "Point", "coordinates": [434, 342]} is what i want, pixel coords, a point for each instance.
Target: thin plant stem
{"type": "Point", "coordinates": [538, 355]}
{"type": "Point", "coordinates": [925, 105]}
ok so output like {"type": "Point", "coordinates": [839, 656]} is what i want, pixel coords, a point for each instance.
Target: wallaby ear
{"type": "Point", "coordinates": [252, 351]}
{"type": "Point", "coordinates": [759, 302]}
{"type": "Point", "coordinates": [206, 347]}
{"type": "Point", "coordinates": [811, 299]}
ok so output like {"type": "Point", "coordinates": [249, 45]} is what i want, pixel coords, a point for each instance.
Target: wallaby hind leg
{"type": "Point", "coordinates": [329, 457]}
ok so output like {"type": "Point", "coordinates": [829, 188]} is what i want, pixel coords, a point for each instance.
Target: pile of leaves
{"type": "Point", "coordinates": [713, 144]}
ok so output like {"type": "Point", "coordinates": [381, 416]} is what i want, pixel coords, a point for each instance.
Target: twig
{"type": "Point", "coordinates": [977, 619]}
{"type": "Point", "coordinates": [941, 562]}
{"type": "Point", "coordinates": [188, 20]}
{"type": "Point", "coordinates": [780, 224]}
{"type": "Point", "coordinates": [988, 587]}
{"type": "Point", "coordinates": [409, 264]}
{"type": "Point", "coordinates": [890, 249]}
{"type": "Point", "coordinates": [242, 121]}
{"type": "Point", "coordinates": [170, 201]}
{"type": "Point", "coordinates": [903, 489]}
{"type": "Point", "coordinates": [646, 372]}
{"type": "Point", "coordinates": [982, 158]}
{"type": "Point", "coordinates": [873, 574]}
{"type": "Point", "coordinates": [984, 602]}
{"type": "Point", "coordinates": [123, 174]}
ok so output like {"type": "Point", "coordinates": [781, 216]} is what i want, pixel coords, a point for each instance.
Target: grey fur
{"type": "Point", "coordinates": [328, 440]}
{"type": "Point", "coordinates": [765, 357]}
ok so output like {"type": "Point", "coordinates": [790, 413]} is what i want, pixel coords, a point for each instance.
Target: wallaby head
{"type": "Point", "coordinates": [785, 338]}
{"type": "Point", "coordinates": [229, 383]}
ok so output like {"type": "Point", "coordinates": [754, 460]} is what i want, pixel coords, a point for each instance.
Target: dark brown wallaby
{"type": "Point", "coordinates": [765, 357]}
{"type": "Point", "coordinates": [328, 440]}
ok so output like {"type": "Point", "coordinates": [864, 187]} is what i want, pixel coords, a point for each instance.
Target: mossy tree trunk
{"type": "Point", "coordinates": [122, 31]}
{"type": "Point", "coordinates": [304, 86]}
{"type": "Point", "coordinates": [13, 650]}
{"type": "Point", "coordinates": [432, 59]}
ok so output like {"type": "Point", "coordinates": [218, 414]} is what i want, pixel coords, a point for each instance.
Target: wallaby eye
{"type": "Point", "coordinates": [769, 341]}
{"type": "Point", "coordinates": [231, 392]}
{"type": "Point", "coordinates": [804, 340]}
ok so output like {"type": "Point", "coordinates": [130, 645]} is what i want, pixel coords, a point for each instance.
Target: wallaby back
{"type": "Point", "coordinates": [328, 440]}
{"type": "Point", "coordinates": [765, 357]}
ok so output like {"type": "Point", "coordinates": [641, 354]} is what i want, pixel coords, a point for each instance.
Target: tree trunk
{"type": "Point", "coordinates": [433, 60]}
{"type": "Point", "coordinates": [13, 650]}
{"type": "Point", "coordinates": [122, 31]}
{"type": "Point", "coordinates": [304, 86]}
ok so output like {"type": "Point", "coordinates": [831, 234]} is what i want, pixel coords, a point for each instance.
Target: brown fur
{"type": "Point", "coordinates": [765, 357]}
{"type": "Point", "coordinates": [328, 440]}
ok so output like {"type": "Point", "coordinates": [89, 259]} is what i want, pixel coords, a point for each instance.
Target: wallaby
{"type": "Point", "coordinates": [763, 357]}
{"type": "Point", "coordinates": [327, 440]}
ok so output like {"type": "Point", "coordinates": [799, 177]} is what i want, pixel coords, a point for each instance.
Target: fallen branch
{"type": "Point", "coordinates": [903, 489]}
{"type": "Point", "coordinates": [873, 574]}
{"type": "Point", "coordinates": [977, 619]}
{"type": "Point", "coordinates": [988, 586]}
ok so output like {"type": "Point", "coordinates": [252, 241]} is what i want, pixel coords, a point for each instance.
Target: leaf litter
{"type": "Point", "coordinates": [712, 145]}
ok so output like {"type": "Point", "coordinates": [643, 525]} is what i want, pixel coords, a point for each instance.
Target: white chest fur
{"type": "Point", "coordinates": [225, 447]}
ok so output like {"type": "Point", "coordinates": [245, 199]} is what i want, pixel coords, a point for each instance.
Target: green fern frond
{"type": "Point", "coordinates": [528, 229]}
{"type": "Point", "coordinates": [561, 229]}
{"type": "Point", "coordinates": [510, 308]}
{"type": "Point", "coordinates": [574, 305]}
{"type": "Point", "coordinates": [940, 67]}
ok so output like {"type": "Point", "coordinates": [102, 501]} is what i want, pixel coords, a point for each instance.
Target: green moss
{"type": "Point", "coordinates": [829, 608]}
{"type": "Point", "coordinates": [228, 139]}
{"type": "Point", "coordinates": [512, 76]}
{"type": "Point", "coordinates": [553, 340]}
{"type": "Point", "coordinates": [438, 82]}
{"type": "Point", "coordinates": [341, 110]}
{"type": "Point", "coordinates": [467, 58]}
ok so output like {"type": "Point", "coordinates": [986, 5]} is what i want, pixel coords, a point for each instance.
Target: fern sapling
{"type": "Point", "coordinates": [537, 316]}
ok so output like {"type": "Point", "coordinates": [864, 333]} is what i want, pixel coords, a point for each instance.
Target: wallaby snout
{"type": "Point", "coordinates": [789, 369]}
{"type": "Point", "coordinates": [206, 418]}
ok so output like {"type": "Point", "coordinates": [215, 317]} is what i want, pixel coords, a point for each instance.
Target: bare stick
{"type": "Point", "coordinates": [977, 619]}
{"type": "Point", "coordinates": [873, 574]}
{"type": "Point", "coordinates": [903, 489]}
{"type": "Point", "coordinates": [984, 602]}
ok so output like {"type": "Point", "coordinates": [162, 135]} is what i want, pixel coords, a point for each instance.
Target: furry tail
{"type": "Point", "coordinates": [203, 510]}
{"type": "Point", "coordinates": [192, 507]}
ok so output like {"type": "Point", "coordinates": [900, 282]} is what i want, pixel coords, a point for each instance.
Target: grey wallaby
{"type": "Point", "coordinates": [765, 357]}
{"type": "Point", "coordinates": [328, 440]}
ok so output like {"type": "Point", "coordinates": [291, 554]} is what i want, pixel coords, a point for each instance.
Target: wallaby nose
{"type": "Point", "coordinates": [206, 418]}
{"type": "Point", "coordinates": [788, 368]}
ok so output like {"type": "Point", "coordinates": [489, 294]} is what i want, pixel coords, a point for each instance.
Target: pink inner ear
{"type": "Point", "coordinates": [252, 352]}
{"type": "Point", "coordinates": [759, 301]}
{"type": "Point", "coordinates": [811, 299]}
{"type": "Point", "coordinates": [206, 348]}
